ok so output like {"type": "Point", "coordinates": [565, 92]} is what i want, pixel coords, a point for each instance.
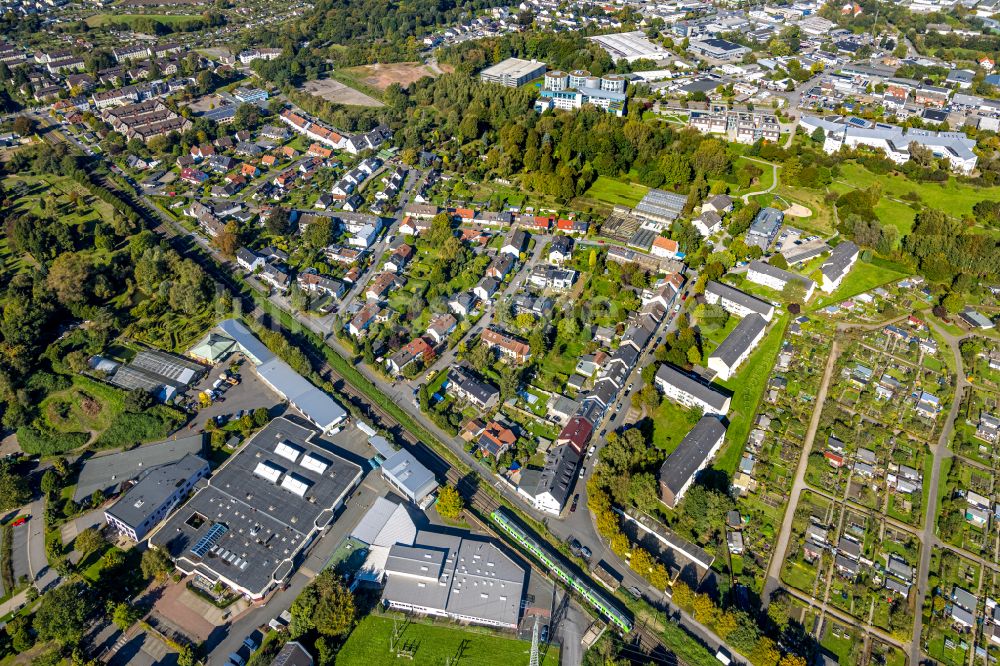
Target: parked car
{"type": "Point", "coordinates": [585, 553]}
{"type": "Point", "coordinates": [576, 501]}
{"type": "Point", "coordinates": [252, 642]}
{"type": "Point", "coordinates": [544, 636]}
{"type": "Point", "coordinates": [20, 521]}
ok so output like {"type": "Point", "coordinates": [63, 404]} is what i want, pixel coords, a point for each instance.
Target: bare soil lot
{"type": "Point", "coordinates": [381, 76]}
{"type": "Point", "coordinates": [335, 91]}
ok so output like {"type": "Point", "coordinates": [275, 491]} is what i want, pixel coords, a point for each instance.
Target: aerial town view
{"type": "Point", "coordinates": [500, 332]}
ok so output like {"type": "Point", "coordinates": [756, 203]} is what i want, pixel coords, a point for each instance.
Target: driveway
{"type": "Point", "coordinates": [72, 528]}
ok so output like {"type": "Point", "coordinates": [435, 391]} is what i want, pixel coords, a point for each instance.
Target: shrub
{"type": "Point", "coordinates": [38, 442]}
{"type": "Point", "coordinates": [129, 428]}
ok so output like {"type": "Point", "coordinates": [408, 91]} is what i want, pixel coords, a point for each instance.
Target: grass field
{"type": "Point", "coordinates": [748, 387]}
{"type": "Point", "coordinates": [765, 180]}
{"type": "Point", "coordinates": [433, 644]}
{"type": "Point", "coordinates": [821, 220]}
{"type": "Point", "coordinates": [952, 197]}
{"type": "Point", "coordinates": [863, 277]}
{"type": "Point", "coordinates": [99, 20]}
{"type": "Point", "coordinates": [671, 423]}
{"type": "Point", "coordinates": [615, 192]}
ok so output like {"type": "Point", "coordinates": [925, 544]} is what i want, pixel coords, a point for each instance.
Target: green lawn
{"type": "Point", "coordinates": [616, 192]}
{"type": "Point", "coordinates": [434, 644]}
{"type": "Point", "coordinates": [748, 388]}
{"type": "Point", "coordinates": [842, 646]}
{"type": "Point", "coordinates": [799, 576]}
{"type": "Point", "coordinates": [952, 196]}
{"type": "Point", "coordinates": [671, 423]}
{"type": "Point", "coordinates": [764, 181]}
{"type": "Point", "coordinates": [863, 277]}
{"type": "Point", "coordinates": [99, 20]}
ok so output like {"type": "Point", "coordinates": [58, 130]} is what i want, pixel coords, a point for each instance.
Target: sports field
{"type": "Point", "coordinates": [368, 645]}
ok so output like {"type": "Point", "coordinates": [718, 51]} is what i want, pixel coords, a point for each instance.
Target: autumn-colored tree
{"type": "Point", "coordinates": [704, 609]}
{"type": "Point", "coordinates": [659, 577]}
{"type": "Point", "coordinates": [792, 660]}
{"type": "Point", "coordinates": [642, 561]}
{"type": "Point", "coordinates": [682, 595]}
{"type": "Point", "coordinates": [619, 544]}
{"type": "Point", "coordinates": [765, 652]}
{"type": "Point", "coordinates": [449, 503]}
{"type": "Point", "coordinates": [726, 624]}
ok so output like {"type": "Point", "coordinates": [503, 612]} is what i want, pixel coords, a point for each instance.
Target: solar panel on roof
{"type": "Point", "coordinates": [209, 540]}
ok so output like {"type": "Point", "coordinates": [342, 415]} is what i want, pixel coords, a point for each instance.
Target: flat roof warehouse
{"type": "Point", "coordinates": [263, 507]}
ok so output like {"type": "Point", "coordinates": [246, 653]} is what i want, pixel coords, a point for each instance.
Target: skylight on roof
{"type": "Point", "coordinates": [295, 484]}
{"type": "Point", "coordinates": [314, 463]}
{"type": "Point", "coordinates": [288, 451]}
{"type": "Point", "coordinates": [267, 471]}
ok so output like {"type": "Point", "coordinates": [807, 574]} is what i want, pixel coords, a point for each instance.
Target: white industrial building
{"type": "Point", "coordinates": [513, 72]}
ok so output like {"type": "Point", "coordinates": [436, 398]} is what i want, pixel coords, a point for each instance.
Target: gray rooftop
{"type": "Point", "coordinates": [106, 473]}
{"type": "Point", "coordinates": [559, 472]}
{"type": "Point", "coordinates": [248, 343]}
{"type": "Point", "coordinates": [767, 222]}
{"type": "Point", "coordinates": [272, 496]}
{"type": "Point", "coordinates": [839, 260]}
{"type": "Point", "coordinates": [466, 577]}
{"type": "Point", "coordinates": [153, 489]}
{"type": "Point", "coordinates": [704, 392]}
{"type": "Point", "coordinates": [403, 469]}
{"type": "Point", "coordinates": [740, 339]}
{"type": "Point", "coordinates": [779, 274]}
{"type": "Point", "coordinates": [468, 382]}
{"type": "Point", "coordinates": [741, 298]}
{"type": "Point", "coordinates": [660, 203]}
{"type": "Point", "coordinates": [691, 454]}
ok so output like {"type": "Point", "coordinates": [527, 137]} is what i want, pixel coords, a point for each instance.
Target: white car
{"type": "Point", "coordinates": [590, 452]}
